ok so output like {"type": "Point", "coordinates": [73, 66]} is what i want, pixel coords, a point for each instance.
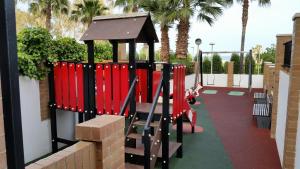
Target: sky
{"type": "Point", "coordinates": [264, 24]}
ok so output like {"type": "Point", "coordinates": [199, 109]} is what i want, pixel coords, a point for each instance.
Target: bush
{"type": "Point", "coordinates": [103, 51]}
{"type": "Point", "coordinates": [235, 58]}
{"type": "Point", "coordinates": [226, 67]}
{"type": "Point", "coordinates": [206, 65]}
{"type": "Point", "coordinates": [188, 62]}
{"type": "Point", "coordinates": [217, 64]}
{"type": "Point", "coordinates": [34, 47]}
{"type": "Point", "coordinates": [67, 49]}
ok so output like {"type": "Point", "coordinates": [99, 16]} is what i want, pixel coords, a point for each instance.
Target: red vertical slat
{"type": "Point", "coordinates": [72, 86]}
{"type": "Point", "coordinates": [116, 88]}
{"type": "Point", "coordinates": [156, 78]}
{"type": "Point", "coordinates": [99, 90]}
{"type": "Point", "coordinates": [183, 86]}
{"type": "Point", "coordinates": [138, 87]}
{"type": "Point", "coordinates": [57, 84]}
{"type": "Point", "coordinates": [143, 84]}
{"type": "Point", "coordinates": [108, 94]}
{"type": "Point", "coordinates": [125, 85]}
{"type": "Point", "coordinates": [80, 95]}
{"type": "Point", "coordinates": [179, 90]}
{"type": "Point", "coordinates": [175, 91]}
{"type": "Point", "coordinates": [65, 85]}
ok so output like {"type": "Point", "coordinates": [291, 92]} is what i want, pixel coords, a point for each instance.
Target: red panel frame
{"type": "Point", "coordinates": [57, 84]}
{"type": "Point", "coordinates": [72, 86]}
{"type": "Point", "coordinates": [108, 93]}
{"type": "Point", "coordinates": [65, 85]}
{"type": "Point", "coordinates": [99, 90]}
{"type": "Point", "coordinates": [80, 94]}
{"type": "Point", "coordinates": [116, 88]}
{"type": "Point", "coordinates": [156, 78]}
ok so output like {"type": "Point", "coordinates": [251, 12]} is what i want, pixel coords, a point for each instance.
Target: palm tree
{"type": "Point", "coordinates": [47, 7]}
{"type": "Point", "coordinates": [206, 10]}
{"type": "Point", "coordinates": [163, 13]}
{"type": "Point", "coordinates": [86, 10]}
{"type": "Point", "coordinates": [245, 4]}
{"type": "Point", "coordinates": [128, 5]}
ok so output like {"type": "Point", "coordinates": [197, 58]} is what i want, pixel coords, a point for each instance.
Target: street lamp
{"type": "Point", "coordinates": [198, 64]}
{"type": "Point", "coordinates": [211, 63]}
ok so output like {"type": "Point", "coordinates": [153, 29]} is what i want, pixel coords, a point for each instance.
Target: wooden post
{"type": "Point", "coordinates": [132, 74]}
{"type": "Point", "coordinates": [115, 51]}
{"type": "Point", "coordinates": [230, 74]}
{"type": "Point", "coordinates": [150, 71]}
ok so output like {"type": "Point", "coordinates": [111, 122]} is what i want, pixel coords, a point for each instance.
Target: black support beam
{"type": "Point", "coordinates": [150, 71]}
{"type": "Point", "coordinates": [132, 74]}
{"type": "Point", "coordinates": [10, 86]}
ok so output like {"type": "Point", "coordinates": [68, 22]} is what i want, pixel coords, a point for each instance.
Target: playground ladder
{"type": "Point", "coordinates": [134, 150]}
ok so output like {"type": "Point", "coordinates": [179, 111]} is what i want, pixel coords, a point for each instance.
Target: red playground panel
{"type": "Point", "coordinates": [143, 85]}
{"type": "Point", "coordinates": [99, 89]}
{"type": "Point", "coordinates": [57, 85]}
{"type": "Point", "coordinates": [80, 95]}
{"type": "Point", "coordinates": [116, 88]}
{"type": "Point", "coordinates": [65, 85]}
{"type": "Point", "coordinates": [156, 79]}
{"type": "Point", "coordinates": [72, 86]}
{"type": "Point", "coordinates": [124, 84]}
{"type": "Point", "coordinates": [107, 83]}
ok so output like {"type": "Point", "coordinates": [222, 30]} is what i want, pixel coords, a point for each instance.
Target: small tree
{"type": "Point", "coordinates": [206, 65]}
{"type": "Point", "coordinates": [217, 64]}
{"type": "Point", "coordinates": [235, 58]}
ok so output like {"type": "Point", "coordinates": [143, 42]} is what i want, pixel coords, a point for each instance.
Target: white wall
{"type": "Point", "coordinates": [297, 161]}
{"type": "Point", "coordinates": [220, 80]}
{"type": "Point", "coordinates": [282, 112]}
{"type": "Point", "coordinates": [37, 133]}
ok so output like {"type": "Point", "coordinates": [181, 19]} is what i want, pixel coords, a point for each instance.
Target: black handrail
{"type": "Point", "coordinates": [127, 99]}
{"type": "Point", "coordinates": [150, 116]}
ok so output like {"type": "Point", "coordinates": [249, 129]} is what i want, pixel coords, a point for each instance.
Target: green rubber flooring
{"type": "Point", "coordinates": [236, 93]}
{"type": "Point", "coordinates": [202, 150]}
{"type": "Point", "coordinates": [210, 92]}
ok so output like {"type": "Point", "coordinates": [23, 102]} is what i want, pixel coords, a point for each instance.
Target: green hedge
{"type": "Point", "coordinates": [36, 47]}
{"type": "Point", "coordinates": [235, 58]}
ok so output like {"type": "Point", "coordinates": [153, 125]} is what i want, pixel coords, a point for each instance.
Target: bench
{"type": "Point", "coordinates": [262, 110]}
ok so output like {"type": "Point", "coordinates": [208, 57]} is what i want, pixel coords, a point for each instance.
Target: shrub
{"type": "Point", "coordinates": [206, 65]}
{"type": "Point", "coordinates": [67, 49]}
{"type": "Point", "coordinates": [103, 51]}
{"type": "Point", "coordinates": [217, 64]}
{"type": "Point", "coordinates": [235, 58]}
{"type": "Point", "coordinates": [188, 62]}
{"type": "Point", "coordinates": [34, 47]}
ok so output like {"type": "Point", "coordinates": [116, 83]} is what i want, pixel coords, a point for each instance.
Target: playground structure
{"type": "Point", "coordinates": [129, 88]}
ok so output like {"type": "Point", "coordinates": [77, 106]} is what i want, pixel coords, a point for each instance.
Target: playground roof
{"type": "Point", "coordinates": [121, 28]}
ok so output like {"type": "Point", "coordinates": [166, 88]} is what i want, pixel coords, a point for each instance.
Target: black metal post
{"type": "Point", "coordinates": [86, 92]}
{"type": "Point", "coordinates": [91, 80]}
{"type": "Point", "coordinates": [147, 151]}
{"type": "Point", "coordinates": [201, 67]}
{"type": "Point", "coordinates": [179, 122]}
{"type": "Point", "coordinates": [52, 107]}
{"type": "Point", "coordinates": [166, 116]}
{"type": "Point", "coordinates": [115, 51]}
{"type": "Point", "coordinates": [10, 86]}
{"type": "Point", "coordinates": [132, 74]}
{"type": "Point", "coordinates": [150, 71]}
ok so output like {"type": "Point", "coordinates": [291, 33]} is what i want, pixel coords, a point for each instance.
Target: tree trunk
{"type": "Point", "coordinates": [48, 15]}
{"type": "Point", "coordinates": [165, 46]}
{"type": "Point", "coordinates": [182, 38]}
{"type": "Point", "coordinates": [244, 26]}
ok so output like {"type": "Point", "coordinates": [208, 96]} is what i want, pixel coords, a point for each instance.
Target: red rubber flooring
{"type": "Point", "coordinates": [247, 146]}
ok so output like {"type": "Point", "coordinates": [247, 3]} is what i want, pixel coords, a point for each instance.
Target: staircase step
{"type": "Point", "coordinates": [145, 108]}
{"type": "Point", "coordinates": [133, 166]}
{"type": "Point", "coordinates": [143, 123]}
{"type": "Point", "coordinates": [136, 136]}
{"type": "Point", "coordinates": [139, 150]}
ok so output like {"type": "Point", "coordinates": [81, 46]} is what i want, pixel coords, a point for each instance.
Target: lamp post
{"type": "Point", "coordinates": [211, 63]}
{"type": "Point", "coordinates": [198, 64]}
